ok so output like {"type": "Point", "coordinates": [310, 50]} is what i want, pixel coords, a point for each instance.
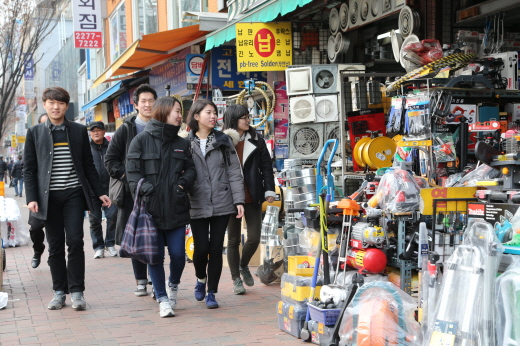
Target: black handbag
{"type": "Point", "coordinates": [11, 184]}
{"type": "Point", "coordinates": [116, 192]}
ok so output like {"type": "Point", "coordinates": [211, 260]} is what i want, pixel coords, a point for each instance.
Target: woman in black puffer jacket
{"type": "Point", "coordinates": [259, 187]}
{"type": "Point", "coordinates": [164, 160]}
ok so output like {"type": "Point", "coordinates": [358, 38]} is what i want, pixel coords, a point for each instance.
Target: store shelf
{"type": "Point", "coordinates": [489, 8]}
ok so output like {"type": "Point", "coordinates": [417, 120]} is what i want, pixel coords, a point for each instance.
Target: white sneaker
{"type": "Point", "coordinates": [112, 250]}
{"type": "Point", "coordinates": [165, 309]}
{"type": "Point", "coordinates": [172, 294]}
{"type": "Point", "coordinates": [99, 253]}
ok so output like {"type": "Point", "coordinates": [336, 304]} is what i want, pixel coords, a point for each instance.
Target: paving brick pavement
{"type": "Point", "coordinates": [115, 316]}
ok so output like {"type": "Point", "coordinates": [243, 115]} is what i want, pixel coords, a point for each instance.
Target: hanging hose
{"type": "Point", "coordinates": [270, 103]}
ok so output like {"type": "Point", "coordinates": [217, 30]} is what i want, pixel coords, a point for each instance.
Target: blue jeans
{"type": "Point", "coordinates": [96, 230]}
{"type": "Point", "coordinates": [18, 186]}
{"type": "Point", "coordinates": [174, 239]}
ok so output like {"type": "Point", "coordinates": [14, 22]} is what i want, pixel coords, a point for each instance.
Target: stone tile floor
{"type": "Point", "coordinates": [115, 316]}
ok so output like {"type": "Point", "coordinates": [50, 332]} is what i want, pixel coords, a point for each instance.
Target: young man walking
{"type": "Point", "coordinates": [58, 171]}
{"type": "Point", "coordinates": [115, 161]}
{"type": "Point", "coordinates": [99, 146]}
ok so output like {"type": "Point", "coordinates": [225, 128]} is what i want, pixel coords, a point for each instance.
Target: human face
{"type": "Point", "coordinates": [175, 116]}
{"type": "Point", "coordinates": [97, 135]}
{"type": "Point", "coordinates": [144, 105]}
{"type": "Point", "coordinates": [55, 110]}
{"type": "Point", "coordinates": [243, 123]}
{"type": "Point", "coordinates": [207, 118]}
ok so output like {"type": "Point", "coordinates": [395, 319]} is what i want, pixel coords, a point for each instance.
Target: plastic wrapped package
{"type": "Point", "coordinates": [421, 182]}
{"type": "Point", "coordinates": [465, 309]}
{"type": "Point", "coordinates": [380, 314]}
{"type": "Point", "coordinates": [15, 233]}
{"type": "Point", "coordinates": [309, 240]}
{"type": "Point", "coordinates": [397, 192]}
{"type": "Point", "coordinates": [454, 178]}
{"type": "Point", "coordinates": [9, 210]}
{"type": "Point", "coordinates": [417, 118]}
{"type": "Point", "coordinates": [508, 305]}
{"type": "Point", "coordinates": [482, 172]}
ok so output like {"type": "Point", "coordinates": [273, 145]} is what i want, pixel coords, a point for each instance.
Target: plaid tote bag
{"type": "Point", "coordinates": [140, 238]}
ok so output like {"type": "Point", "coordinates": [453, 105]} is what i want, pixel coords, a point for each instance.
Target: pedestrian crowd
{"type": "Point", "coordinates": [185, 173]}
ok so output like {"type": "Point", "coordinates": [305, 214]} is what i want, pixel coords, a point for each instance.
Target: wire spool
{"type": "Point", "coordinates": [364, 10]}
{"type": "Point", "coordinates": [409, 21]}
{"type": "Point", "coordinates": [269, 103]}
{"type": "Point", "coordinates": [375, 5]}
{"type": "Point", "coordinates": [331, 51]}
{"type": "Point", "coordinates": [341, 43]}
{"type": "Point", "coordinates": [343, 17]}
{"type": "Point", "coordinates": [353, 13]}
{"type": "Point", "coordinates": [378, 152]}
{"type": "Point", "coordinates": [356, 153]}
{"type": "Point", "coordinates": [334, 21]}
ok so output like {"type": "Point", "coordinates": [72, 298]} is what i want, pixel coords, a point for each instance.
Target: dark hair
{"type": "Point", "coordinates": [231, 116]}
{"type": "Point", "coordinates": [41, 116]}
{"type": "Point", "coordinates": [57, 94]}
{"type": "Point", "coordinates": [143, 88]}
{"type": "Point", "coordinates": [163, 106]}
{"type": "Point", "coordinates": [20, 157]}
{"type": "Point", "coordinates": [196, 108]}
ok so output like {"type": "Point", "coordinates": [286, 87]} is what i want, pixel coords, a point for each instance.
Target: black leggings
{"type": "Point", "coordinates": [208, 239]}
{"type": "Point", "coordinates": [253, 215]}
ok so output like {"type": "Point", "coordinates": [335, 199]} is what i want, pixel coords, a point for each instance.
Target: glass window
{"type": "Point", "coordinates": [147, 16]}
{"type": "Point", "coordinates": [118, 32]}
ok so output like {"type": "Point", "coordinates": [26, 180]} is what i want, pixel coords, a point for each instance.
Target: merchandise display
{"type": "Point", "coordinates": [429, 158]}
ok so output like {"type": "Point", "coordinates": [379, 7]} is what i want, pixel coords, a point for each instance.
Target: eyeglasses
{"type": "Point", "coordinates": [246, 117]}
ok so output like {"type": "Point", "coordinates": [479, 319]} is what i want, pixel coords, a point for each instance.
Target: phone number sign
{"type": "Point", "coordinates": [263, 46]}
{"type": "Point", "coordinates": [88, 28]}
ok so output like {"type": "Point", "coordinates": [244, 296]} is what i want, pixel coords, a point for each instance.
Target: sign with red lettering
{"type": "Point", "coordinates": [88, 26]}
{"type": "Point", "coordinates": [194, 63]}
{"type": "Point", "coordinates": [263, 46]}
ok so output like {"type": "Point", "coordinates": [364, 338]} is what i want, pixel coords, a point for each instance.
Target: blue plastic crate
{"type": "Point", "coordinates": [326, 316]}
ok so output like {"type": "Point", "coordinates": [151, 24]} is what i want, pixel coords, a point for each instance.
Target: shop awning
{"type": "Point", "coordinates": [264, 14]}
{"type": "Point", "coordinates": [151, 49]}
{"type": "Point", "coordinates": [104, 95]}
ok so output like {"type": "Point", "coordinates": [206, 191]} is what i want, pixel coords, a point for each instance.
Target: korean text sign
{"type": "Point", "coordinates": [88, 25]}
{"type": "Point", "coordinates": [263, 46]}
{"type": "Point", "coordinates": [224, 74]}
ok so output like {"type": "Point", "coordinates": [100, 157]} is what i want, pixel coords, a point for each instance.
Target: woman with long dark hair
{"type": "Point", "coordinates": [164, 160]}
{"type": "Point", "coordinates": [217, 194]}
{"type": "Point", "coordinates": [258, 186]}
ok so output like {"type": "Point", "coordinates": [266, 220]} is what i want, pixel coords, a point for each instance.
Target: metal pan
{"type": "Point", "coordinates": [307, 172]}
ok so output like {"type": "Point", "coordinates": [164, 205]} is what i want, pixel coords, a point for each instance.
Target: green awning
{"type": "Point", "coordinates": [264, 14]}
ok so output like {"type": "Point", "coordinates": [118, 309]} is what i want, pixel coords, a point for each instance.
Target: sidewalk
{"type": "Point", "coordinates": [115, 316]}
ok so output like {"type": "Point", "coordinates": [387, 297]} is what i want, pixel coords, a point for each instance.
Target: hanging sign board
{"type": "Point", "coordinates": [263, 46]}
{"type": "Point", "coordinates": [88, 24]}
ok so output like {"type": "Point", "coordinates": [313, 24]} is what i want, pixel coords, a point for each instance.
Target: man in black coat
{"type": "Point", "coordinates": [3, 169]}
{"type": "Point", "coordinates": [99, 146]}
{"type": "Point", "coordinates": [115, 161]}
{"type": "Point", "coordinates": [58, 172]}
{"type": "Point", "coordinates": [36, 230]}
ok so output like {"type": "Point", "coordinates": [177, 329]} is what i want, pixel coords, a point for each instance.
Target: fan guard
{"type": "Point", "coordinates": [306, 141]}
{"type": "Point", "coordinates": [354, 10]}
{"type": "Point", "coordinates": [324, 79]}
{"type": "Point", "coordinates": [325, 109]}
{"type": "Point", "coordinates": [302, 109]}
{"type": "Point", "coordinates": [343, 17]}
{"type": "Point", "coordinates": [364, 10]}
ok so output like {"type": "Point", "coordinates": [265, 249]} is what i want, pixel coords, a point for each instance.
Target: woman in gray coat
{"type": "Point", "coordinates": [217, 193]}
